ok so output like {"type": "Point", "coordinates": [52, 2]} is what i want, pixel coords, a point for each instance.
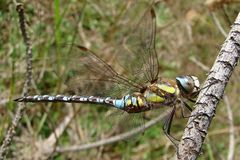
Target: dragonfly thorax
{"type": "Point", "coordinates": [163, 92]}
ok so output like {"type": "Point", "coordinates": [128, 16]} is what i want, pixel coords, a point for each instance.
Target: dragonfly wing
{"type": "Point", "coordinates": [84, 72]}
{"type": "Point", "coordinates": [140, 45]}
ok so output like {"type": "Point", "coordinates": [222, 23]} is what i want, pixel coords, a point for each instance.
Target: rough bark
{"type": "Point", "coordinates": [209, 97]}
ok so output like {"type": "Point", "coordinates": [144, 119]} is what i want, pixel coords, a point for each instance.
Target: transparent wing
{"type": "Point", "coordinates": [140, 47]}
{"type": "Point", "coordinates": [98, 66]}
{"type": "Point", "coordinates": [84, 72]}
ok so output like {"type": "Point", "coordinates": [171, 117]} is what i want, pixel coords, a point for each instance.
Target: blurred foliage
{"type": "Point", "coordinates": [185, 30]}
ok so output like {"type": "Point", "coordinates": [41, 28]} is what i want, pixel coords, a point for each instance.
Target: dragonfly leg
{"type": "Point", "coordinates": [190, 109]}
{"type": "Point", "coordinates": [184, 104]}
{"type": "Point", "coordinates": [167, 127]}
{"type": "Point", "coordinates": [198, 91]}
{"type": "Point", "coordinates": [192, 100]}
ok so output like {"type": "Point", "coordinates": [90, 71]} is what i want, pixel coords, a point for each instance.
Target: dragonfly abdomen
{"type": "Point", "coordinates": [70, 99]}
{"type": "Point", "coordinates": [129, 103]}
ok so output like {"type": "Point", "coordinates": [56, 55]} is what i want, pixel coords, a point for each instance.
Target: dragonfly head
{"type": "Point", "coordinates": [188, 86]}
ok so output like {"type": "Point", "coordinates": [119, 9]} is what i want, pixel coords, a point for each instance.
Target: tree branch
{"type": "Point", "coordinates": [212, 92]}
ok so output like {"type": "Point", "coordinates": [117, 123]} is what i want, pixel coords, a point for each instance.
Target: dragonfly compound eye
{"type": "Point", "coordinates": [188, 84]}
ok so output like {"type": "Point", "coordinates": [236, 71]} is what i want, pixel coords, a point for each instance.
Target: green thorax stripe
{"type": "Point", "coordinates": [167, 88]}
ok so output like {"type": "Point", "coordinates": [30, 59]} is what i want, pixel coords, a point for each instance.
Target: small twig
{"type": "Point", "coordinates": [113, 139]}
{"type": "Point", "coordinates": [231, 129]}
{"type": "Point", "coordinates": [48, 146]}
{"type": "Point", "coordinates": [223, 131]}
{"type": "Point", "coordinates": [21, 106]}
{"type": "Point", "coordinates": [219, 26]}
{"type": "Point", "coordinates": [199, 64]}
{"type": "Point", "coordinates": [61, 128]}
{"type": "Point", "coordinates": [197, 127]}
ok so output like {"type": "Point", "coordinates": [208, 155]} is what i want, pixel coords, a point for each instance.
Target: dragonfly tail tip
{"type": "Point", "coordinates": [18, 99]}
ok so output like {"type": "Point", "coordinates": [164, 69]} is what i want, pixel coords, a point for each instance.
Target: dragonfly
{"type": "Point", "coordinates": [144, 88]}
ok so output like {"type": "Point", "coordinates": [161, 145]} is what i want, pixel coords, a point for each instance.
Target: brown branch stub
{"type": "Point", "coordinates": [197, 127]}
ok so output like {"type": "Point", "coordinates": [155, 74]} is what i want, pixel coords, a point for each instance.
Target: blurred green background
{"type": "Point", "coordinates": [186, 35]}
